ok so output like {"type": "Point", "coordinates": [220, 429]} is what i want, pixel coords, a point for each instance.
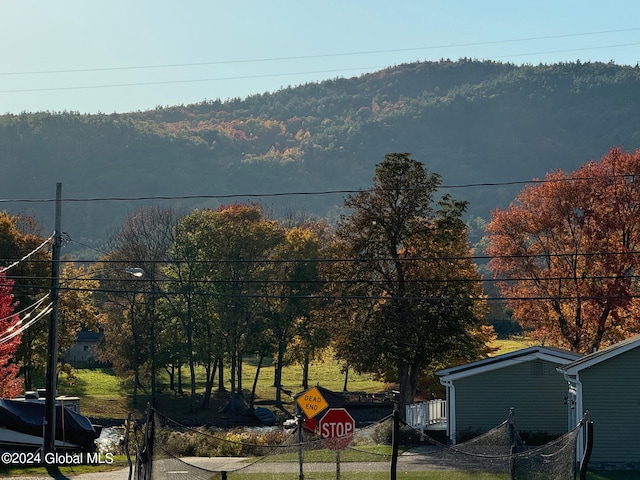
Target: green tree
{"type": "Point", "coordinates": [408, 297]}
{"type": "Point", "coordinates": [77, 310]}
{"type": "Point", "coordinates": [189, 271]}
{"type": "Point", "coordinates": [293, 280]}
{"type": "Point", "coordinates": [242, 242]}
{"type": "Point", "coordinates": [121, 300]}
{"type": "Point", "coordinates": [141, 248]}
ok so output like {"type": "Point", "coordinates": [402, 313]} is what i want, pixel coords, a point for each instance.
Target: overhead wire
{"type": "Point", "coordinates": [290, 58]}
{"type": "Point", "coordinates": [27, 256]}
{"type": "Point", "coordinates": [33, 306]}
{"type": "Point", "coordinates": [301, 193]}
{"type": "Point", "coordinates": [321, 260]}
{"type": "Point", "coordinates": [325, 281]}
{"type": "Point", "coordinates": [316, 56]}
{"type": "Point", "coordinates": [14, 333]}
{"type": "Point", "coordinates": [329, 297]}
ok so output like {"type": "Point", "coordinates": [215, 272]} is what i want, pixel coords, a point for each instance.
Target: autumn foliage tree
{"type": "Point", "coordinates": [10, 384]}
{"type": "Point", "coordinates": [20, 236]}
{"type": "Point", "coordinates": [568, 253]}
{"type": "Point", "coordinates": [408, 296]}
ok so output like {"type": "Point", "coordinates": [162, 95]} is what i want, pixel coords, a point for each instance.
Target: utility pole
{"type": "Point", "coordinates": [52, 354]}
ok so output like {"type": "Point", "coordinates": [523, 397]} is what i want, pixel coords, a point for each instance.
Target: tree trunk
{"type": "Point", "coordinates": [171, 370]}
{"type": "Point", "coordinates": [275, 375]}
{"type": "Point", "coordinates": [305, 372]}
{"type": "Point", "coordinates": [278, 379]}
{"type": "Point", "coordinates": [255, 382]}
{"type": "Point", "coordinates": [406, 394]}
{"type": "Point", "coordinates": [239, 373]}
{"type": "Point", "coordinates": [346, 378]}
{"type": "Point", "coordinates": [192, 368]}
{"type": "Point", "coordinates": [232, 375]}
{"type": "Point", "coordinates": [210, 370]}
{"type": "Point", "coordinates": [220, 374]}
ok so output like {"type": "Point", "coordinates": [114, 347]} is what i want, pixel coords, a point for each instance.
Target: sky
{"type": "Point", "coordinates": [91, 56]}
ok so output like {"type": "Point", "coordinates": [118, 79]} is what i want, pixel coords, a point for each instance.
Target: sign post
{"type": "Point", "coordinates": [312, 402]}
{"type": "Point", "coordinates": [336, 429]}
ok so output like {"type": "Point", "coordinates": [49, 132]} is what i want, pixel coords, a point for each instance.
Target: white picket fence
{"type": "Point", "coordinates": [427, 415]}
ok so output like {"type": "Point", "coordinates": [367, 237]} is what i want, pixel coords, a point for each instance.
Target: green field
{"type": "Point", "coordinates": [104, 396]}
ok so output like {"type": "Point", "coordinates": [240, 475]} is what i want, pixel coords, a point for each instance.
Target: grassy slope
{"type": "Point", "coordinates": [104, 396]}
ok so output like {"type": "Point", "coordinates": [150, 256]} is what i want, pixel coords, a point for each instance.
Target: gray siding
{"type": "Point", "coordinates": [611, 393]}
{"type": "Point", "coordinates": [534, 388]}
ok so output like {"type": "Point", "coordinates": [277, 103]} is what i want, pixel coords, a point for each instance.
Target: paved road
{"type": "Point", "coordinates": [416, 460]}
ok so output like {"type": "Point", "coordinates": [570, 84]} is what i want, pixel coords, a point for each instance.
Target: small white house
{"type": "Point", "coordinates": [83, 350]}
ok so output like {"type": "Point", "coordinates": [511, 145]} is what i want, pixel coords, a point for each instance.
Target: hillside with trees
{"type": "Point", "coordinates": [474, 123]}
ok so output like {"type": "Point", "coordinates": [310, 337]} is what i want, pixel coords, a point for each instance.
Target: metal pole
{"type": "Point", "coordinates": [584, 464]}
{"type": "Point", "coordinates": [300, 440]}
{"type": "Point", "coordinates": [152, 334]}
{"type": "Point", "coordinates": [395, 442]}
{"type": "Point", "coordinates": [52, 354]}
{"type": "Point", "coordinates": [126, 445]}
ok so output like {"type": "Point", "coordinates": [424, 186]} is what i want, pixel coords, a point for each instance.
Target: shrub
{"type": "Point", "coordinates": [382, 434]}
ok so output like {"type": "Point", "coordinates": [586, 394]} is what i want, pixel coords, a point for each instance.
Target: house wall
{"type": "Point", "coordinates": [534, 388]}
{"type": "Point", "coordinates": [81, 352]}
{"type": "Point", "coordinates": [611, 394]}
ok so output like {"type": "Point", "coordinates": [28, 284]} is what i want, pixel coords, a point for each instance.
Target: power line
{"type": "Point", "coordinates": [33, 306]}
{"type": "Point", "coordinates": [329, 297]}
{"type": "Point", "coordinates": [8, 336]}
{"type": "Point", "coordinates": [321, 260]}
{"type": "Point", "coordinates": [280, 74]}
{"type": "Point", "coordinates": [26, 257]}
{"type": "Point", "coordinates": [331, 55]}
{"type": "Point", "coordinates": [174, 82]}
{"type": "Point", "coordinates": [302, 193]}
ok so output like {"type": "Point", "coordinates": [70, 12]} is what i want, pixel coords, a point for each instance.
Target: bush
{"type": "Point", "coordinates": [203, 442]}
{"type": "Point", "coordinates": [382, 434]}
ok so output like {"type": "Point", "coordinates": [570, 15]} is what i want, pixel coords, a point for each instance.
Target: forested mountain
{"type": "Point", "coordinates": [472, 122]}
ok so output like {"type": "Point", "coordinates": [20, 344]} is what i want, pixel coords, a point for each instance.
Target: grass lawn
{"type": "Point", "coordinates": [104, 396]}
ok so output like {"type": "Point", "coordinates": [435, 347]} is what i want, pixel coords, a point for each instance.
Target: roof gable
{"type": "Point", "coordinates": [550, 354]}
{"type": "Point", "coordinates": [600, 356]}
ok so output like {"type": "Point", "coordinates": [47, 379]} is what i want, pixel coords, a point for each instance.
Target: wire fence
{"type": "Point", "coordinates": [165, 448]}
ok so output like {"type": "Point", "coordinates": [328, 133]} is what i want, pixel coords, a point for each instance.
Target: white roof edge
{"type": "Point", "coordinates": [600, 356]}
{"type": "Point", "coordinates": [553, 355]}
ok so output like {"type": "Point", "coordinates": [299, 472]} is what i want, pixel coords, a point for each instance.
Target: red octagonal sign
{"type": "Point", "coordinates": [337, 428]}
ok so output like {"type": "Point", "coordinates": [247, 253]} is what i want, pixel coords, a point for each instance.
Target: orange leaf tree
{"type": "Point", "coordinates": [567, 252]}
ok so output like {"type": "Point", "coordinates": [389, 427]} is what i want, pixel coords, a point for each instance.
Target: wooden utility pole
{"type": "Point", "coordinates": [52, 354]}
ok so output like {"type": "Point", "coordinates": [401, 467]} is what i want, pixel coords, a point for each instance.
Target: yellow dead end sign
{"type": "Point", "coordinates": [312, 402]}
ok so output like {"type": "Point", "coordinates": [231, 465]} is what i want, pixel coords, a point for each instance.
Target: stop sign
{"type": "Point", "coordinates": [337, 427]}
